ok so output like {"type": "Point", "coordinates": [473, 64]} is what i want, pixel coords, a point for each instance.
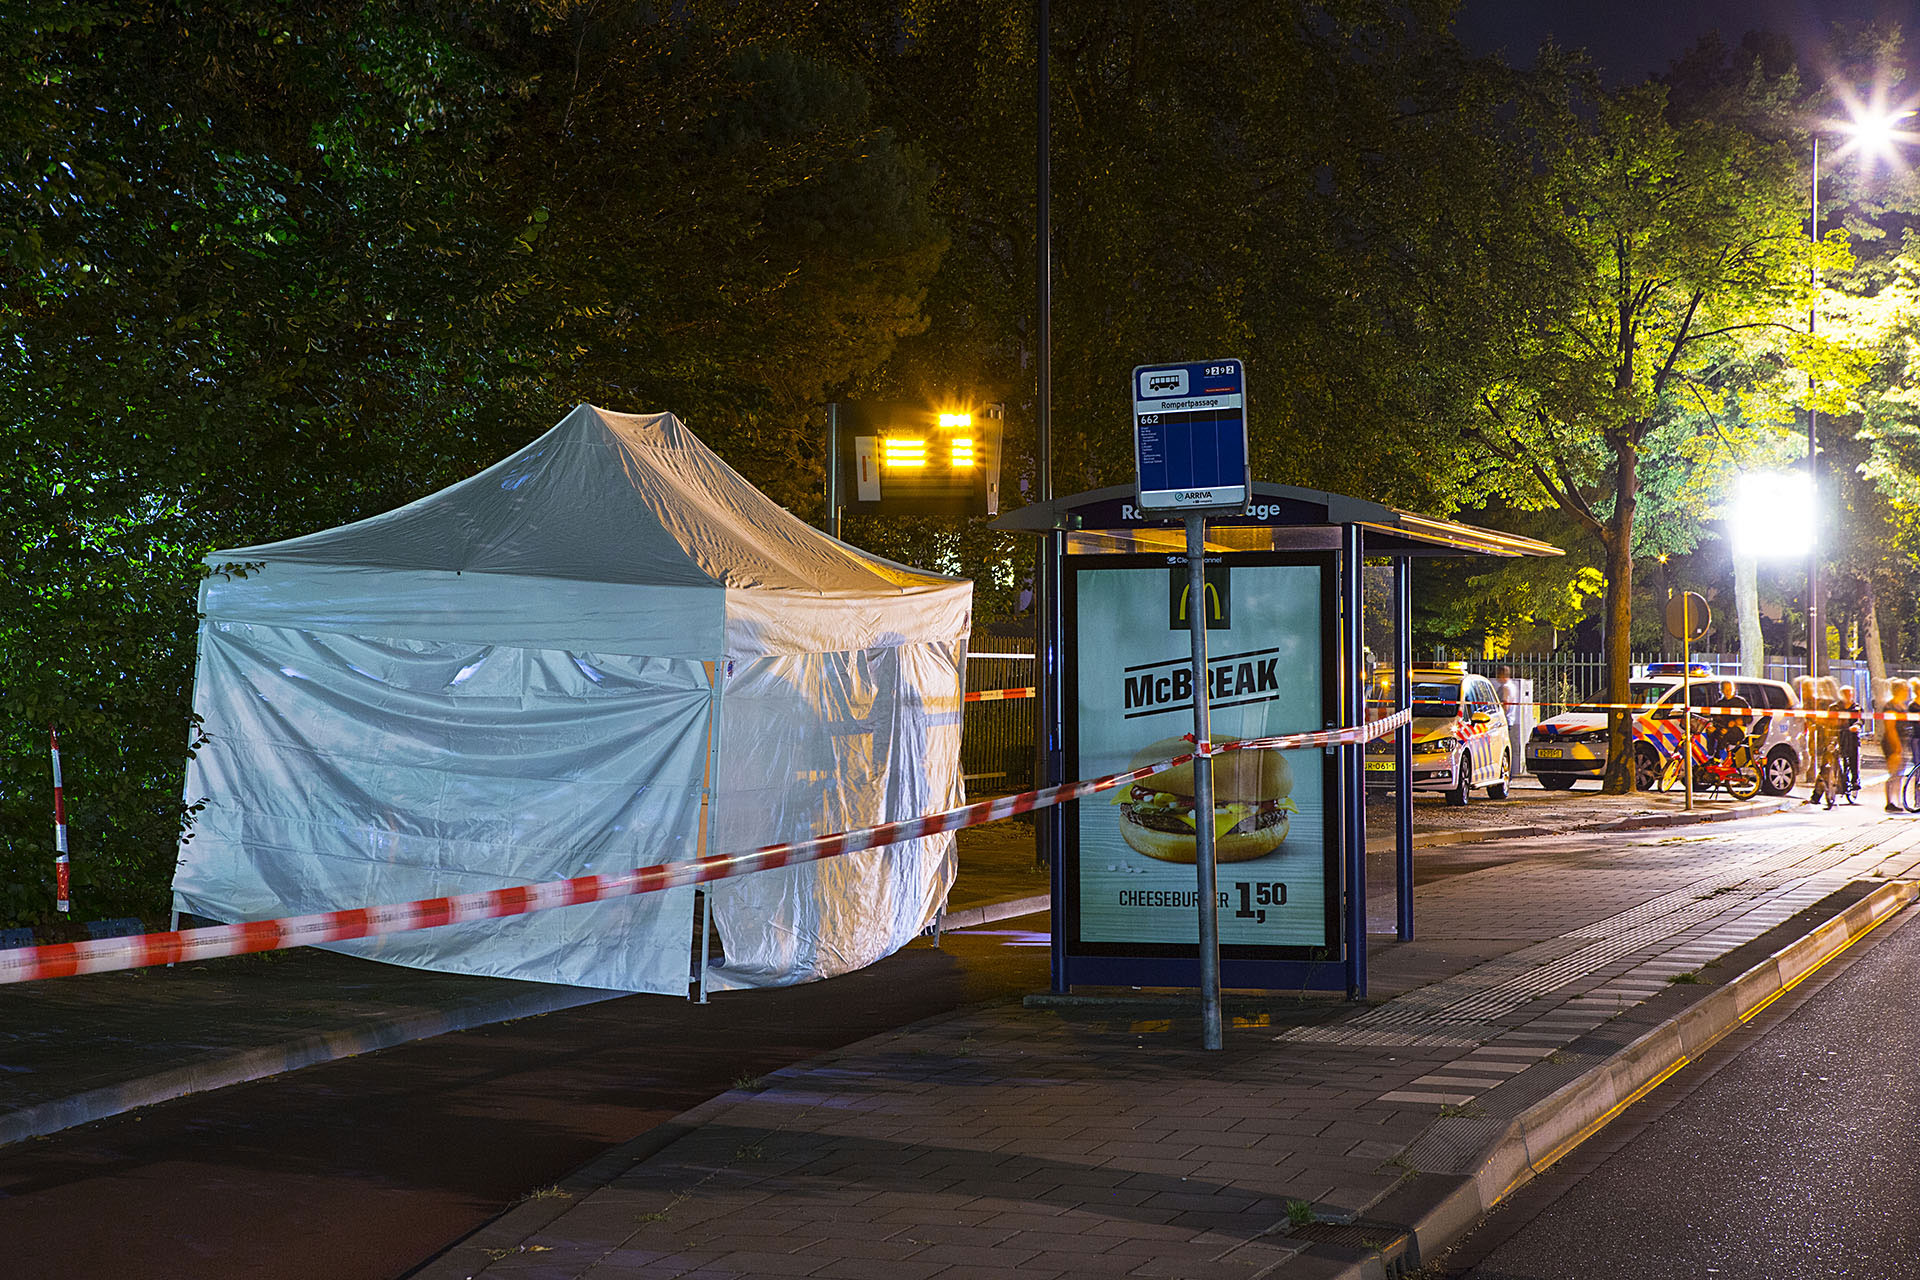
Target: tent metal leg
{"type": "Point", "coordinates": [722, 670]}
{"type": "Point", "coordinates": [706, 943]}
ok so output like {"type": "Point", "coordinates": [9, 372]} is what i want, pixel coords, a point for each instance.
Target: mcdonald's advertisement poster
{"type": "Point", "coordinates": [1132, 684]}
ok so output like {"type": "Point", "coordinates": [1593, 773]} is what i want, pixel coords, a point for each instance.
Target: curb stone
{"type": "Point", "coordinates": [246, 1065]}
{"type": "Point", "coordinates": [1439, 1209]}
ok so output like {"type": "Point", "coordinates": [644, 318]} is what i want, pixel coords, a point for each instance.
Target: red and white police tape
{"type": "Point", "coordinates": [62, 902]}
{"type": "Point", "coordinates": [999, 695]}
{"type": "Point", "coordinates": [1802, 713]}
{"type": "Point", "coordinates": [64, 959]}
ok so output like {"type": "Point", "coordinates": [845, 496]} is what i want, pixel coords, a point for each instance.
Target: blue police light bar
{"type": "Point", "coordinates": [1190, 436]}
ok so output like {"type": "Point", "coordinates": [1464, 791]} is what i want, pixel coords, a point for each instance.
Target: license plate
{"type": "Point", "coordinates": [1550, 753]}
{"type": "Point", "coordinates": [1379, 766]}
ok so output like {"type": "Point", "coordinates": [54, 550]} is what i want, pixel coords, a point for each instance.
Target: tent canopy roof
{"type": "Point", "coordinates": [610, 498]}
{"type": "Point", "coordinates": [617, 533]}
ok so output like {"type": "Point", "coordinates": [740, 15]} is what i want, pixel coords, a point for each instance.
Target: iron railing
{"type": "Point", "coordinates": [996, 738]}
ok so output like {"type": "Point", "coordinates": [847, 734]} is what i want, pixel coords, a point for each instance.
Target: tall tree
{"type": "Point", "coordinates": [1666, 245]}
{"type": "Point", "coordinates": [264, 269]}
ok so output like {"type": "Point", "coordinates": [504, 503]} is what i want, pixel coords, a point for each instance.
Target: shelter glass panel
{"type": "Point", "coordinates": [1128, 701]}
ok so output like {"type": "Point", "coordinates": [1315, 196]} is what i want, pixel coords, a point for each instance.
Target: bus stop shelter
{"type": "Point", "coordinates": [1284, 613]}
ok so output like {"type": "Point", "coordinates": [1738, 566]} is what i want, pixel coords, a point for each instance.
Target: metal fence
{"type": "Point", "coordinates": [1560, 680]}
{"type": "Point", "coordinates": [996, 738]}
{"type": "Point", "coordinates": [1569, 678]}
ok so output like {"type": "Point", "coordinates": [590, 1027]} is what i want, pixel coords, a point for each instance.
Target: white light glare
{"type": "Point", "coordinates": [1772, 515]}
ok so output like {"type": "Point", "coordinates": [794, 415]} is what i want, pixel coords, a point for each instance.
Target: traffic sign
{"type": "Point", "coordinates": [1190, 436]}
{"type": "Point", "coordinates": [1688, 617]}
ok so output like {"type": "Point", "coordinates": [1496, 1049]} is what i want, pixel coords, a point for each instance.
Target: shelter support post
{"type": "Point", "coordinates": [1403, 746]}
{"type": "Point", "coordinates": [1205, 872]}
{"type": "Point", "coordinates": [1353, 785]}
{"type": "Point", "coordinates": [1049, 824]}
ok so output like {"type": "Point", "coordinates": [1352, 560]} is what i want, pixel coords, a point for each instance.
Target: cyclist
{"type": "Point", "coordinates": [1849, 743]}
{"type": "Point", "coordinates": [1909, 730]}
{"type": "Point", "coordinates": [1727, 726]}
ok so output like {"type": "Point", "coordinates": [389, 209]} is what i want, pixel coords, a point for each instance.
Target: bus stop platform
{"type": "Point", "coordinates": [1091, 1135]}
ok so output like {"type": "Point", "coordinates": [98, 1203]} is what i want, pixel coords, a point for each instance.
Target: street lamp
{"type": "Point", "coordinates": [1771, 516]}
{"type": "Point", "coordinates": [1876, 133]}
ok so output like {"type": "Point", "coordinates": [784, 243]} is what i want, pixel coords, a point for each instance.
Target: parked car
{"type": "Point", "coordinates": [1566, 748]}
{"type": "Point", "coordinates": [1460, 739]}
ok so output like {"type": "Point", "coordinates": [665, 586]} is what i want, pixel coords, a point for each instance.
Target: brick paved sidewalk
{"type": "Point", "coordinates": [1094, 1138]}
{"type": "Point", "coordinates": [78, 1049]}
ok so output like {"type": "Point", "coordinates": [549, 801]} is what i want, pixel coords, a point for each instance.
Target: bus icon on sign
{"type": "Point", "coordinates": [1163, 382]}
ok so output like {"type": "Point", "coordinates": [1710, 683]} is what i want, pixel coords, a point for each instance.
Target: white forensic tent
{"type": "Point", "coordinates": [541, 672]}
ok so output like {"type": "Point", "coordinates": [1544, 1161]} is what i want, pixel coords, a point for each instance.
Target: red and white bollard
{"type": "Point", "coordinates": [59, 832]}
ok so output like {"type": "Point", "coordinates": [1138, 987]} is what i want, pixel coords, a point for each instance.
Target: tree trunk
{"type": "Point", "coordinates": [1746, 603]}
{"type": "Point", "coordinates": [1617, 537]}
{"type": "Point", "coordinates": [1870, 641]}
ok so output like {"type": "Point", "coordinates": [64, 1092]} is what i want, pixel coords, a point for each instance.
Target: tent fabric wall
{"type": "Point", "coordinates": [839, 741]}
{"type": "Point", "coordinates": [516, 679]}
{"type": "Point", "coordinates": [345, 771]}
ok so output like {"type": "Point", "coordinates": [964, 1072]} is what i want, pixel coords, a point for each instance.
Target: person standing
{"type": "Point", "coordinates": [1507, 690]}
{"type": "Point", "coordinates": [1823, 743]}
{"type": "Point", "coordinates": [1849, 743]}
{"type": "Point", "coordinates": [1893, 739]}
{"type": "Point", "coordinates": [1826, 739]}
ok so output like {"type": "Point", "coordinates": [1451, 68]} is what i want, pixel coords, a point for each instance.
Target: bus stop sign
{"type": "Point", "coordinates": [1190, 436]}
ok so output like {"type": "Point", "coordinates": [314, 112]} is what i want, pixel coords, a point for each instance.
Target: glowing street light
{"type": "Point", "coordinates": [1772, 517]}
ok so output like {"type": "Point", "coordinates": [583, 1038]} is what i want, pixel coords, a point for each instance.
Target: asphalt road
{"type": "Point", "coordinates": [1791, 1150]}
{"type": "Point", "coordinates": [363, 1168]}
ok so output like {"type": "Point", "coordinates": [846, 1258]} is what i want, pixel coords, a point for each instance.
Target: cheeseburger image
{"type": "Point", "coordinates": [1252, 796]}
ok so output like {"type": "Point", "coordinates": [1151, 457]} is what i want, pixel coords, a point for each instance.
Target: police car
{"type": "Point", "coordinates": [1571, 746]}
{"type": "Point", "coordinates": [1460, 739]}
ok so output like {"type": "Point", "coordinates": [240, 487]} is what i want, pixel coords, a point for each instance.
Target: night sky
{"type": "Point", "coordinates": [1631, 38]}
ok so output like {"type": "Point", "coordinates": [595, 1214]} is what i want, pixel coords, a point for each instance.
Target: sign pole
{"type": "Point", "coordinates": [1190, 456]}
{"type": "Point", "coordinates": [1686, 722]}
{"type": "Point", "coordinates": [1203, 863]}
{"type": "Point", "coordinates": [1687, 621]}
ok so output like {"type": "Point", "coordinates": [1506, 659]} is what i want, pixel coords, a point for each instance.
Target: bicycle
{"type": "Point", "coordinates": [1734, 769]}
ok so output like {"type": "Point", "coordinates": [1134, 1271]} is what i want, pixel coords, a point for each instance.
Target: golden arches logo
{"type": "Point", "coordinates": [1213, 598]}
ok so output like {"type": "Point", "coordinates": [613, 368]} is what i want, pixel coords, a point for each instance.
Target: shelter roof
{"type": "Point", "coordinates": [1107, 519]}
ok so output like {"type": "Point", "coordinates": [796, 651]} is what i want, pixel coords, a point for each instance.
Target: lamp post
{"type": "Point", "coordinates": [1875, 132]}
{"type": "Point", "coordinates": [1816, 634]}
